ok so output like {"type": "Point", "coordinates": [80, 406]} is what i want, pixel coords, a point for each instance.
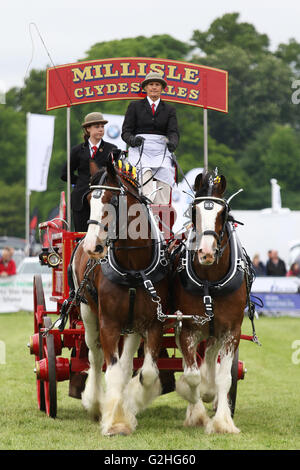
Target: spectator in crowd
{"type": "Point", "coordinates": [7, 264]}
{"type": "Point", "coordinates": [294, 270]}
{"type": "Point", "coordinates": [275, 266]}
{"type": "Point", "coordinates": [258, 266]}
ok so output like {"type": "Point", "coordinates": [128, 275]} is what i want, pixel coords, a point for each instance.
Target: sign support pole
{"type": "Point", "coordinates": [205, 131]}
{"type": "Point", "coordinates": [27, 198]}
{"type": "Point", "coordinates": [68, 167]}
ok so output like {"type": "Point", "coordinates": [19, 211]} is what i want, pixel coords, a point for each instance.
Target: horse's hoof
{"type": "Point", "coordinates": [118, 429]}
{"type": "Point", "coordinates": [221, 427]}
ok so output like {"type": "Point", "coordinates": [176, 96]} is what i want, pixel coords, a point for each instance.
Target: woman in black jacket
{"type": "Point", "coordinates": [151, 131]}
{"type": "Point", "coordinates": [93, 147]}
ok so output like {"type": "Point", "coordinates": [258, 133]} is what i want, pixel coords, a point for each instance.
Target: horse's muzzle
{"type": "Point", "coordinates": [206, 258]}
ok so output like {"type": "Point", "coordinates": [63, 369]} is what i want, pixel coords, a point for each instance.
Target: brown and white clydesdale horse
{"type": "Point", "coordinates": [210, 287]}
{"type": "Point", "coordinates": [126, 291]}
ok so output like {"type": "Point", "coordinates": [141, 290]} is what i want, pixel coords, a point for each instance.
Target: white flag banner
{"type": "Point", "coordinates": [40, 133]}
{"type": "Point", "coordinates": [113, 130]}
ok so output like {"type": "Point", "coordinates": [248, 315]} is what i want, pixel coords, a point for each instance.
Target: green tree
{"type": "Point", "coordinates": [259, 81]}
{"type": "Point", "coordinates": [227, 30]}
{"type": "Point", "coordinates": [282, 157]}
{"type": "Point", "coordinates": [31, 98]}
{"type": "Point", "coordinates": [162, 45]}
{"type": "Point", "coordinates": [12, 210]}
{"type": "Point", "coordinates": [290, 54]}
{"type": "Point", "coordinates": [273, 153]}
{"type": "Point", "coordinates": [12, 145]}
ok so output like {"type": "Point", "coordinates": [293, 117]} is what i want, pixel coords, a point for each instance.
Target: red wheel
{"type": "Point", "coordinates": [234, 381]}
{"type": "Point", "coordinates": [39, 304]}
{"type": "Point", "coordinates": [50, 384]}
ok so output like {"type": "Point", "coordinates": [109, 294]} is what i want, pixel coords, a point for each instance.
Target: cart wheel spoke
{"type": "Point", "coordinates": [234, 380]}
{"type": "Point", "coordinates": [39, 301]}
{"type": "Point", "coordinates": [50, 385]}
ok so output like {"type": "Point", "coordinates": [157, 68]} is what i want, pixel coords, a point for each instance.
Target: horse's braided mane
{"type": "Point", "coordinates": [97, 176]}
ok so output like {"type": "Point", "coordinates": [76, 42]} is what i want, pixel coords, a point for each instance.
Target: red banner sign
{"type": "Point", "coordinates": [120, 79]}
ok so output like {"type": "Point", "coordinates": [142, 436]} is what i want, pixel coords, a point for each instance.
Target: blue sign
{"type": "Point", "coordinates": [279, 302]}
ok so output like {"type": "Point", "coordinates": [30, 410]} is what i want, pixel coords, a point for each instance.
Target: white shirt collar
{"type": "Point", "coordinates": [155, 102]}
{"type": "Point", "coordinates": [92, 145]}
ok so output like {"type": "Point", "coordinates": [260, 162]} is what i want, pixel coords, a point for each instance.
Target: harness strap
{"type": "Point", "coordinates": [149, 286]}
{"type": "Point", "coordinates": [211, 232]}
{"type": "Point", "coordinates": [95, 222]}
{"type": "Point", "coordinates": [132, 294]}
{"type": "Point", "coordinates": [208, 305]}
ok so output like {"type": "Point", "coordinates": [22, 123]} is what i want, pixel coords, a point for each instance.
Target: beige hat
{"type": "Point", "coordinates": [93, 118]}
{"type": "Point", "coordinates": [154, 77]}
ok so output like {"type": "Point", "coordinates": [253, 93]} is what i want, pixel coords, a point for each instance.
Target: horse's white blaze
{"type": "Point", "coordinates": [206, 220]}
{"type": "Point", "coordinates": [94, 232]}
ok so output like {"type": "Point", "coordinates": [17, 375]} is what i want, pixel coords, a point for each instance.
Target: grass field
{"type": "Point", "coordinates": [267, 408]}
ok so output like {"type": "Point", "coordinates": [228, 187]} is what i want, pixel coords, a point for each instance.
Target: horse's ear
{"type": "Point", "coordinates": [110, 166]}
{"type": "Point", "coordinates": [220, 185]}
{"type": "Point", "coordinates": [198, 182]}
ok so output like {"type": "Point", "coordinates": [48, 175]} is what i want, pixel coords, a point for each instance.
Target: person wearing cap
{"type": "Point", "coordinates": [151, 131]}
{"type": "Point", "coordinates": [93, 147]}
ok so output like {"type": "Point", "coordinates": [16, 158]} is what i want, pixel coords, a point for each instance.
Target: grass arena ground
{"type": "Point", "coordinates": [267, 408]}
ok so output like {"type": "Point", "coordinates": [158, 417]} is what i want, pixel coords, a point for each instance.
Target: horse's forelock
{"type": "Point", "coordinates": [97, 177]}
{"type": "Point", "coordinates": [209, 186]}
{"type": "Point", "coordinates": [205, 184]}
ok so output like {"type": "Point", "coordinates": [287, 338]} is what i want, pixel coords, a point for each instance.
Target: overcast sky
{"type": "Point", "coordinates": [70, 27]}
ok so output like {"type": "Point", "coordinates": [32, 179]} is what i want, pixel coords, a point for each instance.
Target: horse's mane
{"type": "Point", "coordinates": [126, 172]}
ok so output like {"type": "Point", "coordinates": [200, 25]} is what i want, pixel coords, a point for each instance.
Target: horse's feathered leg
{"type": "Point", "coordinates": [145, 386]}
{"type": "Point", "coordinates": [92, 395]}
{"type": "Point", "coordinates": [188, 384]}
{"type": "Point", "coordinates": [208, 371]}
{"type": "Point", "coordinates": [116, 418]}
{"type": "Point", "coordinates": [131, 344]}
{"type": "Point", "coordinates": [222, 422]}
